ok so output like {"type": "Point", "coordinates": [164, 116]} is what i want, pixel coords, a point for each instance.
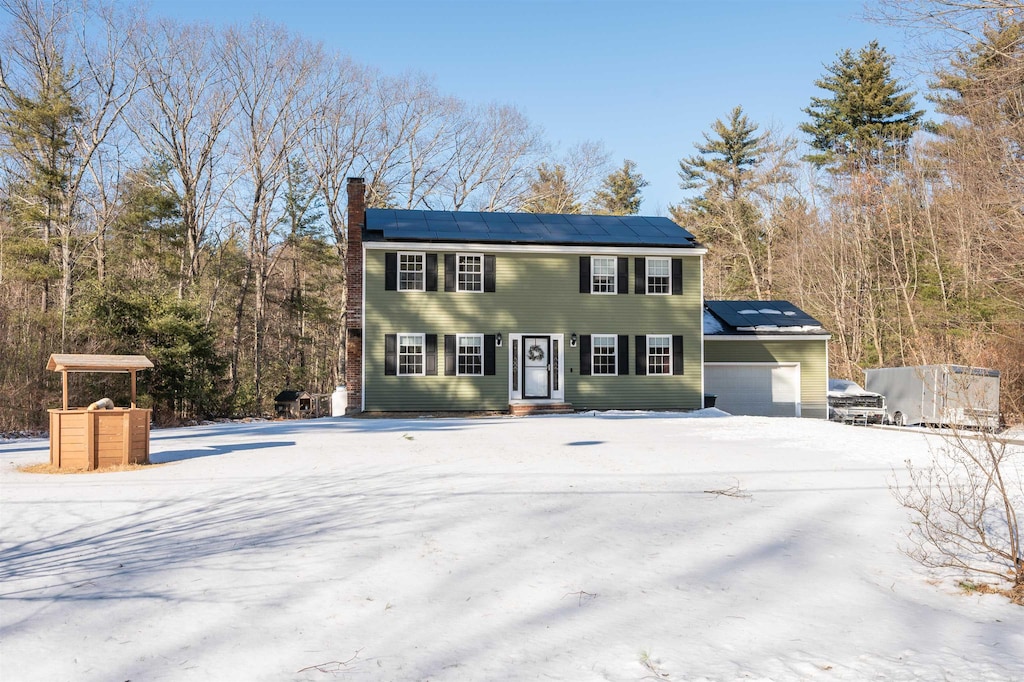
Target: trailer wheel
{"type": "Point", "coordinates": [899, 419]}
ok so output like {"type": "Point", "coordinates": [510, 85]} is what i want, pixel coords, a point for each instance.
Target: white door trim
{"type": "Point", "coordinates": [514, 343]}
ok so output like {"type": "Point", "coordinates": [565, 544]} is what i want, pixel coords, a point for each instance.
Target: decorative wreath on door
{"type": "Point", "coordinates": [535, 353]}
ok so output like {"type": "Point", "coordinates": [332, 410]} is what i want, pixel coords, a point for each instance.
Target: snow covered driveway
{"type": "Point", "coordinates": [580, 547]}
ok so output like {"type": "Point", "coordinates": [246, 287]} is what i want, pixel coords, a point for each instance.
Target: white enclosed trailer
{"type": "Point", "coordinates": [942, 395]}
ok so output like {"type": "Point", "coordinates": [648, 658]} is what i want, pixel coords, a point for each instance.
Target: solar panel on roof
{"type": "Point", "coordinates": [397, 224]}
{"type": "Point", "coordinates": [761, 314]}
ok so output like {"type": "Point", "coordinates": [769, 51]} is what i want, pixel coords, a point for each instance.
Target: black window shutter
{"type": "Point", "coordinates": [641, 355]}
{"type": "Point", "coordinates": [585, 355]}
{"type": "Point", "coordinates": [489, 273]}
{"type": "Point", "coordinates": [623, 351]}
{"type": "Point", "coordinates": [623, 284]}
{"type": "Point", "coordinates": [489, 342]}
{"type": "Point", "coordinates": [640, 275]}
{"type": "Point", "coordinates": [677, 354]}
{"type": "Point", "coordinates": [449, 355]}
{"type": "Point", "coordinates": [449, 272]}
{"type": "Point", "coordinates": [390, 355]}
{"type": "Point", "coordinates": [584, 274]}
{"type": "Point", "coordinates": [390, 271]}
{"type": "Point", "coordinates": [431, 349]}
{"type": "Point", "coordinates": [677, 276]}
{"type": "Point", "coordinates": [431, 272]}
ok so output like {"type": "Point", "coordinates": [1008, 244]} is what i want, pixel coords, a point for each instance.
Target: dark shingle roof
{"type": "Point", "coordinates": [757, 317]}
{"type": "Point", "coordinates": [524, 228]}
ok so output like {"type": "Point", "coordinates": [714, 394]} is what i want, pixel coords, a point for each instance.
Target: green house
{"type": "Point", "coordinates": [518, 312]}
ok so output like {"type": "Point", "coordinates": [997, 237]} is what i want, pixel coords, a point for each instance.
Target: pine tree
{"type": "Point", "coordinates": [36, 129]}
{"type": "Point", "coordinates": [551, 192]}
{"type": "Point", "coordinates": [737, 173]}
{"type": "Point", "coordinates": [868, 118]}
{"type": "Point", "coordinates": [620, 192]}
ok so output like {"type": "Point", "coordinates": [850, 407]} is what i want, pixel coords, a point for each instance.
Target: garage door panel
{"type": "Point", "coordinates": [761, 390]}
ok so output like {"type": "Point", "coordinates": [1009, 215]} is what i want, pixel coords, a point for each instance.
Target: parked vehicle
{"type": "Point", "coordinates": [939, 395]}
{"type": "Point", "coordinates": [848, 402]}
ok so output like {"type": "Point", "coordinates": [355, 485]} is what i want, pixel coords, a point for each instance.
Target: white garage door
{"type": "Point", "coordinates": [769, 390]}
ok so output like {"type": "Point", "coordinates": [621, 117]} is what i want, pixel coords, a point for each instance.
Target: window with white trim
{"type": "Point", "coordinates": [659, 354]}
{"type": "Point", "coordinates": [659, 275]}
{"type": "Point", "coordinates": [603, 274]}
{"type": "Point", "coordinates": [470, 354]}
{"type": "Point", "coordinates": [603, 354]}
{"type": "Point", "coordinates": [411, 275]}
{"type": "Point", "coordinates": [470, 272]}
{"type": "Point", "coordinates": [410, 354]}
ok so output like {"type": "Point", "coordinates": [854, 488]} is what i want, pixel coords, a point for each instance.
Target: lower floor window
{"type": "Point", "coordinates": [659, 354]}
{"type": "Point", "coordinates": [604, 356]}
{"type": "Point", "coordinates": [410, 353]}
{"type": "Point", "coordinates": [471, 354]}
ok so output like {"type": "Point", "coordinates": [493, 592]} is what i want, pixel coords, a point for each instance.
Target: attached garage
{"type": "Point", "coordinates": [754, 388]}
{"type": "Point", "coordinates": [765, 358]}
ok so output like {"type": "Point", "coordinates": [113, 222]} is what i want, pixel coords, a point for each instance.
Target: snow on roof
{"type": "Point", "coordinates": [778, 317]}
{"type": "Point", "coordinates": [711, 324]}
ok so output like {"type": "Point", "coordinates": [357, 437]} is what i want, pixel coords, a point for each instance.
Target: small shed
{"type": "Point", "coordinates": [101, 434]}
{"type": "Point", "coordinates": [290, 404]}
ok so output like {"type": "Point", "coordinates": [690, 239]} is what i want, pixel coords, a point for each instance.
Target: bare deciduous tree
{"type": "Point", "coordinates": [966, 509]}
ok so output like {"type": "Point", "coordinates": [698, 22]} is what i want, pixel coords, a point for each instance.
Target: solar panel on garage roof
{"type": "Point", "coordinates": [743, 314]}
{"type": "Point", "coordinates": [529, 228]}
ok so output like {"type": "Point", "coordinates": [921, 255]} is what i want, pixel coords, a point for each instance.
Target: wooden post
{"type": "Point", "coordinates": [133, 387]}
{"type": "Point", "coordinates": [64, 381]}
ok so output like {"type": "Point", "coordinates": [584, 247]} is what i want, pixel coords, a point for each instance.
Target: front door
{"type": "Point", "coordinates": [536, 366]}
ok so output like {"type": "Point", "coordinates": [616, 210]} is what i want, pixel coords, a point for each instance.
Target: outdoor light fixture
{"type": "Point", "coordinates": [572, 340]}
{"type": "Point", "coordinates": [497, 339]}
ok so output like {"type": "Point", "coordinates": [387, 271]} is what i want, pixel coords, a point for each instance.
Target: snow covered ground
{"type": "Point", "coordinates": [580, 547]}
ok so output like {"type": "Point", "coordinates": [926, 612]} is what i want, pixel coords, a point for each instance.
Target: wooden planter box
{"type": "Point", "coordinates": [81, 439]}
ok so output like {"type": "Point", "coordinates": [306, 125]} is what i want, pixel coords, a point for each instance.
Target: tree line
{"type": "Point", "coordinates": [904, 236]}
{"type": "Point", "coordinates": [178, 190]}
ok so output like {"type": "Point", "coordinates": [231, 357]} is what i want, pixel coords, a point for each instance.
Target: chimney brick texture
{"type": "Point", "coordinates": [354, 280]}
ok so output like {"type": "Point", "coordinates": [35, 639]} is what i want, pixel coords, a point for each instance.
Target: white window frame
{"type": "Point", "coordinates": [422, 340]}
{"type": "Point", "coordinates": [614, 276]}
{"type": "Point", "coordinates": [615, 355]}
{"type": "Point", "coordinates": [459, 354]}
{"type": "Point", "coordinates": [422, 271]}
{"type": "Point", "coordinates": [668, 277]}
{"type": "Point", "coordinates": [651, 337]}
{"type": "Point", "coordinates": [459, 272]}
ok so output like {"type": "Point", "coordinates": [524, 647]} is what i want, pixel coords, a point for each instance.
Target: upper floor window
{"type": "Point", "coordinates": [411, 272]}
{"type": "Point", "coordinates": [603, 274]}
{"type": "Point", "coordinates": [659, 354]}
{"type": "Point", "coordinates": [410, 354]}
{"type": "Point", "coordinates": [471, 272]}
{"type": "Point", "coordinates": [659, 276]}
{"type": "Point", "coordinates": [470, 354]}
{"type": "Point", "coordinates": [603, 354]}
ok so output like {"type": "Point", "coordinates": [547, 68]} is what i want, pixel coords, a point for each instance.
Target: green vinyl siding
{"type": "Point", "coordinates": [810, 353]}
{"type": "Point", "coordinates": [535, 293]}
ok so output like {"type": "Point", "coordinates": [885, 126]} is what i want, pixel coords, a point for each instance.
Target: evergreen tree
{"type": "Point", "coordinates": [737, 173]}
{"type": "Point", "coordinates": [620, 192]}
{"type": "Point", "coordinates": [36, 134]}
{"type": "Point", "coordinates": [868, 117]}
{"type": "Point", "coordinates": [550, 192]}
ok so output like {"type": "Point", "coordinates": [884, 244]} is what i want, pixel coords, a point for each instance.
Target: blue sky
{"type": "Point", "coordinates": [644, 77]}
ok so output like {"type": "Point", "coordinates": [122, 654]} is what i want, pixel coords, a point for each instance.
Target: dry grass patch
{"type": "Point", "coordinates": [47, 468]}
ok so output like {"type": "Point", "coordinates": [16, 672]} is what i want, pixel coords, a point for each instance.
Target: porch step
{"type": "Point", "coordinates": [546, 408]}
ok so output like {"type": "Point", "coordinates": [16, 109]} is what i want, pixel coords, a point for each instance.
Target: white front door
{"type": "Point", "coordinates": [536, 367]}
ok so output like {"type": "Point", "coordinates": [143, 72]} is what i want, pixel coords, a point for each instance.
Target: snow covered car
{"type": "Point", "coordinates": [849, 403]}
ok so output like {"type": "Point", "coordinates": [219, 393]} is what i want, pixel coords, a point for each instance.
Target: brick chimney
{"type": "Point", "coordinates": [354, 278]}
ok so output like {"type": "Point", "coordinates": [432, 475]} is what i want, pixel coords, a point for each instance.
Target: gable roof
{"type": "Point", "coordinates": [524, 228]}
{"type": "Point", "coordinates": [757, 317]}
